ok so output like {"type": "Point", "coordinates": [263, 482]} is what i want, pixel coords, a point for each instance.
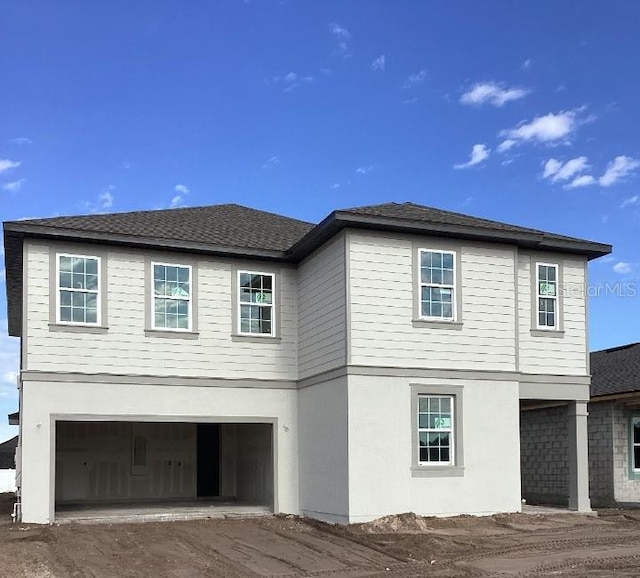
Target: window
{"type": "Point", "coordinates": [435, 430]}
{"type": "Point", "coordinates": [437, 285]}
{"type": "Point", "coordinates": [78, 289]}
{"type": "Point", "coordinates": [547, 295]}
{"type": "Point", "coordinates": [256, 303]}
{"type": "Point", "coordinates": [635, 443]}
{"type": "Point", "coordinates": [171, 297]}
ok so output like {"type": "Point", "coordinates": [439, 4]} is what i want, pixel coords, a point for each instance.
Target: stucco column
{"type": "Point", "coordinates": [578, 457]}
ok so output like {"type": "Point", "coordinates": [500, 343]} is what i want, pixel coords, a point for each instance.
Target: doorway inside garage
{"type": "Point", "coordinates": [170, 467]}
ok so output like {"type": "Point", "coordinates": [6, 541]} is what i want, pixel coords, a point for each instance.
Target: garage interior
{"type": "Point", "coordinates": [116, 469]}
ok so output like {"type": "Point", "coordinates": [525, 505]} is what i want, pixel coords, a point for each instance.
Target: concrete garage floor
{"type": "Point", "coordinates": [161, 511]}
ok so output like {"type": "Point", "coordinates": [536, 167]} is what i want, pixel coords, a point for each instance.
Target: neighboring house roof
{"type": "Point", "coordinates": [615, 370]}
{"type": "Point", "coordinates": [8, 453]}
{"type": "Point", "coordinates": [233, 230]}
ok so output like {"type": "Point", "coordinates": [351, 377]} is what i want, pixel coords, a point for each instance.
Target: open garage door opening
{"type": "Point", "coordinates": [163, 467]}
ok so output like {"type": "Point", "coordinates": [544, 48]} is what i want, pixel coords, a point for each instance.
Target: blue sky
{"type": "Point", "coordinates": [524, 112]}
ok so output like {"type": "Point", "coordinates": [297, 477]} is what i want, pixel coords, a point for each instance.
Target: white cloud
{"type": "Point", "coordinates": [379, 63]}
{"type": "Point", "coordinates": [548, 129]}
{"type": "Point", "coordinates": [364, 169]}
{"type": "Point", "coordinates": [335, 186]}
{"type": "Point", "coordinates": [581, 181]}
{"type": "Point", "coordinates": [6, 164]}
{"type": "Point", "coordinates": [492, 93]}
{"type": "Point", "coordinates": [326, 71]}
{"type": "Point", "coordinates": [181, 189]}
{"type": "Point", "coordinates": [13, 186]}
{"type": "Point", "coordinates": [106, 200]}
{"type": "Point", "coordinates": [412, 100]}
{"type": "Point", "coordinates": [415, 79]}
{"type": "Point", "coordinates": [342, 35]}
{"type": "Point", "coordinates": [272, 162]}
{"type": "Point", "coordinates": [479, 153]}
{"type": "Point", "coordinates": [526, 65]}
{"type": "Point", "coordinates": [622, 267]}
{"type": "Point", "coordinates": [617, 170]}
{"type": "Point", "coordinates": [175, 201]}
{"type": "Point", "coordinates": [559, 171]}
{"type": "Point", "coordinates": [630, 201]}
{"type": "Point", "coordinates": [21, 140]}
{"type": "Point", "coordinates": [292, 80]}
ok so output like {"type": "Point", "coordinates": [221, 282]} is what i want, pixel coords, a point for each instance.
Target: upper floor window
{"type": "Point", "coordinates": [437, 284]}
{"type": "Point", "coordinates": [78, 289]}
{"type": "Point", "coordinates": [547, 295]}
{"type": "Point", "coordinates": [256, 303]}
{"type": "Point", "coordinates": [171, 296]}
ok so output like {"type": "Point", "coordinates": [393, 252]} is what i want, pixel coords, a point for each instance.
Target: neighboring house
{"type": "Point", "coordinates": [614, 434]}
{"type": "Point", "coordinates": [372, 364]}
{"type": "Point", "coordinates": [8, 465]}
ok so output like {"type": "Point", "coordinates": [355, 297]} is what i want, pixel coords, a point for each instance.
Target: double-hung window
{"type": "Point", "coordinates": [437, 285]}
{"type": "Point", "coordinates": [635, 444]}
{"type": "Point", "coordinates": [547, 295]}
{"type": "Point", "coordinates": [436, 430]}
{"type": "Point", "coordinates": [256, 297]}
{"type": "Point", "coordinates": [78, 289]}
{"type": "Point", "coordinates": [171, 297]}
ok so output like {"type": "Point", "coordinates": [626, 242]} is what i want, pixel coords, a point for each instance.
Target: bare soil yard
{"type": "Point", "coordinates": [503, 545]}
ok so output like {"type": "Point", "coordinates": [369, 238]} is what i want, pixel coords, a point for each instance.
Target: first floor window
{"type": "Point", "coordinates": [437, 284]}
{"type": "Point", "coordinates": [547, 295]}
{"type": "Point", "coordinates": [256, 303]}
{"type": "Point", "coordinates": [78, 289]}
{"type": "Point", "coordinates": [171, 296]}
{"type": "Point", "coordinates": [435, 429]}
{"type": "Point", "coordinates": [635, 443]}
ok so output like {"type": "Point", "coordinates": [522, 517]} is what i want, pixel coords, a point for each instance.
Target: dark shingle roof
{"type": "Point", "coordinates": [238, 231]}
{"type": "Point", "coordinates": [221, 225]}
{"type": "Point", "coordinates": [615, 370]}
{"type": "Point", "coordinates": [7, 454]}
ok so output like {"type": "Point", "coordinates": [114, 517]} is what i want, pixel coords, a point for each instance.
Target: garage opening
{"type": "Point", "coordinates": [163, 468]}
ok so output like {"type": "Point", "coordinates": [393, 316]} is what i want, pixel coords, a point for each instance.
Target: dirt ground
{"type": "Point", "coordinates": [406, 545]}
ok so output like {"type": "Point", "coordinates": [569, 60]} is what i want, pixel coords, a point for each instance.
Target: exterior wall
{"type": "Point", "coordinates": [46, 402]}
{"type": "Point", "coordinates": [93, 461]}
{"type": "Point", "coordinates": [381, 479]}
{"type": "Point", "coordinates": [626, 483]}
{"type": "Point", "coordinates": [557, 353]}
{"type": "Point", "coordinates": [544, 455]}
{"type": "Point", "coordinates": [382, 299]}
{"type": "Point", "coordinates": [127, 349]}
{"type": "Point", "coordinates": [323, 423]}
{"type": "Point", "coordinates": [322, 310]}
{"type": "Point", "coordinates": [601, 457]}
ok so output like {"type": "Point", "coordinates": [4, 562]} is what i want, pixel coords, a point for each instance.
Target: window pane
{"type": "Point", "coordinates": [425, 259]}
{"type": "Point", "coordinates": [92, 316]}
{"type": "Point", "coordinates": [92, 266]}
{"type": "Point", "coordinates": [423, 403]}
{"type": "Point", "coordinates": [636, 430]}
{"type": "Point", "coordinates": [636, 458]}
{"type": "Point", "coordinates": [65, 280]}
{"type": "Point", "coordinates": [447, 278]}
{"type": "Point", "coordinates": [447, 261]}
{"type": "Point", "coordinates": [65, 313]}
{"type": "Point", "coordinates": [65, 264]}
{"type": "Point", "coordinates": [424, 454]}
{"type": "Point", "coordinates": [77, 315]}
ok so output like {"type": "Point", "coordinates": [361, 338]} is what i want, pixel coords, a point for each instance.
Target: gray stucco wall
{"type": "Point", "coordinates": [544, 459]}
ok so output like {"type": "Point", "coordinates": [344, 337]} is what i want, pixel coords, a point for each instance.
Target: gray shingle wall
{"type": "Point", "coordinates": [600, 427]}
{"type": "Point", "coordinates": [543, 455]}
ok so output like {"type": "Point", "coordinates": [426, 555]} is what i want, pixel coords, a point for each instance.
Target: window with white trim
{"type": "Point", "coordinates": [78, 289]}
{"type": "Point", "coordinates": [171, 297]}
{"type": "Point", "coordinates": [437, 285]}
{"type": "Point", "coordinates": [635, 443]}
{"type": "Point", "coordinates": [256, 313]}
{"type": "Point", "coordinates": [435, 430]}
{"type": "Point", "coordinates": [547, 295]}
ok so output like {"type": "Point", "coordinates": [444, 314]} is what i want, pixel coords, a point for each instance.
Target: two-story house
{"type": "Point", "coordinates": [372, 364]}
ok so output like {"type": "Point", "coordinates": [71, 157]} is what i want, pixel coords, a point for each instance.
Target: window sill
{"type": "Point", "coordinates": [71, 328]}
{"type": "Point", "coordinates": [437, 472]}
{"type": "Point", "coordinates": [456, 325]}
{"type": "Point", "coordinates": [255, 338]}
{"type": "Point", "coordinates": [547, 333]}
{"type": "Point", "coordinates": [171, 334]}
